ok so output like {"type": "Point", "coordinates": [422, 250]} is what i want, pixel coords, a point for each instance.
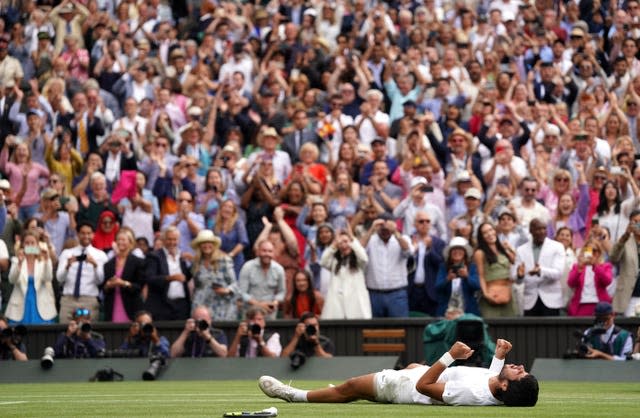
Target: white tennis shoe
{"type": "Point", "coordinates": [274, 388]}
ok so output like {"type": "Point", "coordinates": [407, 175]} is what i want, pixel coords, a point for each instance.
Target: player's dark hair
{"type": "Point", "coordinates": [523, 392]}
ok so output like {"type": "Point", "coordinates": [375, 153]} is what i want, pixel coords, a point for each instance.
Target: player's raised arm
{"type": "Point", "coordinates": [428, 384]}
{"type": "Point", "coordinates": [503, 347]}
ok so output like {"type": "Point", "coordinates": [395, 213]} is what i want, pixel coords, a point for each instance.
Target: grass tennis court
{"type": "Point", "coordinates": [213, 398]}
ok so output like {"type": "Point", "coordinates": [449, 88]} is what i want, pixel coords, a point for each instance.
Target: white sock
{"type": "Point", "coordinates": [300, 395]}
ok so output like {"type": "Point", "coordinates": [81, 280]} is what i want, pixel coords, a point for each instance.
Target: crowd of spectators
{"type": "Point", "coordinates": [350, 158]}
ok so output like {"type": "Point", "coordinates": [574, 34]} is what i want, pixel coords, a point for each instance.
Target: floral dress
{"type": "Point", "coordinates": [207, 279]}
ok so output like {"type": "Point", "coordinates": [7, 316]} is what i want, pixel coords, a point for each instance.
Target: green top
{"type": "Point", "coordinates": [501, 269]}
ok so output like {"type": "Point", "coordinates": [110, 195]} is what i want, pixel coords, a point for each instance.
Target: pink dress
{"type": "Point", "coordinates": [119, 313]}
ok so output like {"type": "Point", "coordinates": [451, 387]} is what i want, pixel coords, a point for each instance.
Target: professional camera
{"type": "Point", "coordinates": [255, 329]}
{"type": "Point", "coordinates": [107, 375]}
{"type": "Point", "coordinates": [310, 330]}
{"type": "Point", "coordinates": [156, 364]}
{"type": "Point", "coordinates": [46, 362]}
{"type": "Point", "coordinates": [202, 325]}
{"type": "Point", "coordinates": [297, 359]}
{"type": "Point", "coordinates": [584, 341]}
{"type": "Point", "coordinates": [147, 329]}
{"type": "Point", "coordinates": [15, 334]}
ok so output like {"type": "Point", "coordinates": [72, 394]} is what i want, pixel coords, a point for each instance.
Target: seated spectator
{"type": "Point", "coordinates": [307, 340]}
{"type": "Point", "coordinates": [304, 298]}
{"type": "Point", "coordinates": [144, 338]}
{"type": "Point", "coordinates": [79, 340]}
{"type": "Point", "coordinates": [615, 343]}
{"type": "Point", "coordinates": [12, 346]}
{"type": "Point", "coordinates": [252, 340]}
{"type": "Point", "coordinates": [32, 300]}
{"type": "Point", "coordinates": [199, 338]}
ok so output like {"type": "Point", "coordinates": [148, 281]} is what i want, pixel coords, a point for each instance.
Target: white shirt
{"type": "Point", "coordinates": [367, 129]}
{"type": "Point", "coordinates": [589, 294]}
{"type": "Point", "coordinates": [91, 277]}
{"type": "Point", "coordinates": [112, 168]}
{"type": "Point", "coordinates": [176, 289]}
{"type": "Point", "coordinates": [517, 164]}
{"type": "Point", "coordinates": [387, 268]}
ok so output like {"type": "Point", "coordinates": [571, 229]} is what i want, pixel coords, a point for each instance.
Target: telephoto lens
{"type": "Point", "coordinates": [147, 329]}
{"type": "Point", "coordinates": [85, 327]}
{"type": "Point", "coordinates": [256, 329]}
{"type": "Point", "coordinates": [156, 363]}
{"type": "Point", "coordinates": [46, 362]}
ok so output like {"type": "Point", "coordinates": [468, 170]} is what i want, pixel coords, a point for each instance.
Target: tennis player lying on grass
{"type": "Point", "coordinates": [500, 384]}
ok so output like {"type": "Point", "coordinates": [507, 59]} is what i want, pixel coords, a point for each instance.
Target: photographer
{"type": "Point", "coordinates": [605, 340]}
{"type": "Point", "coordinates": [251, 339]}
{"type": "Point", "coordinates": [307, 340]}
{"type": "Point", "coordinates": [11, 345]}
{"type": "Point", "coordinates": [79, 340]}
{"type": "Point", "coordinates": [144, 337]}
{"type": "Point", "coordinates": [199, 338]}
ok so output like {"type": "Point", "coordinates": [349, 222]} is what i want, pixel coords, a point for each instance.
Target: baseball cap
{"type": "Point", "coordinates": [473, 193]}
{"type": "Point", "coordinates": [49, 193]}
{"type": "Point", "coordinates": [603, 309]}
{"type": "Point", "coordinates": [417, 181]}
{"type": "Point", "coordinates": [462, 176]}
{"type": "Point", "coordinates": [552, 130]}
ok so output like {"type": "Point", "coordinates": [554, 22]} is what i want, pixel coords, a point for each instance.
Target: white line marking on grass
{"type": "Point", "coordinates": [11, 402]}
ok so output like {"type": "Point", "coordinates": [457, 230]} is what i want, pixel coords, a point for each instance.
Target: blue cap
{"type": "Point", "coordinates": [603, 309]}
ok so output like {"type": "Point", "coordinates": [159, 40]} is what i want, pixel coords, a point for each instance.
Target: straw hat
{"type": "Point", "coordinates": [205, 235]}
{"type": "Point", "coordinates": [269, 131]}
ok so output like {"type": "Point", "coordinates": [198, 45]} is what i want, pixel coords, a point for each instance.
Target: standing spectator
{"type": "Point", "coordinates": [589, 278]}
{"type": "Point", "coordinates": [24, 176]}
{"type": "Point", "coordinates": [457, 282]}
{"type": "Point", "coordinates": [303, 133]}
{"type": "Point", "coordinates": [59, 224]}
{"type": "Point", "coordinates": [214, 279]}
{"type": "Point", "coordinates": [91, 207]}
{"type": "Point", "coordinates": [415, 202]}
{"type": "Point", "coordinates": [124, 279]}
{"type": "Point", "coordinates": [540, 263]}
{"type": "Point", "coordinates": [427, 259]}
{"type": "Point", "coordinates": [262, 280]}
{"type": "Point", "coordinates": [233, 234]}
{"type": "Point", "coordinates": [494, 265]}
{"type": "Point", "coordinates": [68, 18]}
{"type": "Point", "coordinates": [347, 296]}
{"type": "Point", "coordinates": [526, 206]}
{"type": "Point", "coordinates": [252, 339]}
{"type": "Point", "coordinates": [167, 277]}
{"type": "Point", "coordinates": [188, 222]}
{"type": "Point", "coordinates": [80, 272]}
{"type": "Point", "coordinates": [386, 275]}
{"type": "Point", "coordinates": [106, 230]}
{"type": "Point", "coordinates": [32, 300]}
{"type": "Point", "coordinates": [627, 294]}
{"type": "Point", "coordinates": [199, 338]}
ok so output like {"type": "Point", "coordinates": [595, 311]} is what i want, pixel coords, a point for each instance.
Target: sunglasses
{"type": "Point", "coordinates": [184, 200]}
{"type": "Point", "coordinates": [424, 221]}
{"type": "Point", "coordinates": [530, 190]}
{"type": "Point", "coordinates": [81, 312]}
{"type": "Point", "coordinates": [561, 179]}
{"type": "Point", "coordinates": [599, 177]}
{"type": "Point", "coordinates": [162, 145]}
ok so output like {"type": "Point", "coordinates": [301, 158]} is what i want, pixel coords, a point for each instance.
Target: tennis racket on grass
{"type": "Point", "coordinates": [269, 412]}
